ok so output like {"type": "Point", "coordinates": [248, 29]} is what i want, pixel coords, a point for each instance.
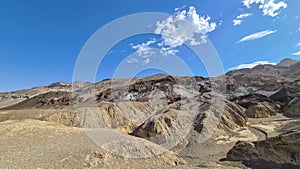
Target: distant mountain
{"type": "Point", "coordinates": [11, 98]}
{"type": "Point", "coordinates": [286, 68]}
{"type": "Point", "coordinates": [287, 62]}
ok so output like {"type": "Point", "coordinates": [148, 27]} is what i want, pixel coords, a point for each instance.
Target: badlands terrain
{"type": "Point", "coordinates": [247, 118]}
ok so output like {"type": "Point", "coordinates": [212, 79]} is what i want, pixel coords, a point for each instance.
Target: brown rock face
{"type": "Point", "coordinates": [285, 95]}
{"type": "Point", "coordinates": [233, 116]}
{"type": "Point", "coordinates": [250, 100]}
{"type": "Point", "coordinates": [293, 108]}
{"type": "Point", "coordinates": [283, 150]}
{"type": "Point", "coordinates": [65, 118]}
{"type": "Point", "coordinates": [172, 122]}
{"type": "Point", "coordinates": [157, 125]}
{"type": "Point", "coordinates": [262, 110]}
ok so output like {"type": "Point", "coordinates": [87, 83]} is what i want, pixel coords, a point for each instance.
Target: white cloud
{"type": "Point", "coordinates": [220, 23]}
{"type": "Point", "coordinates": [179, 8]}
{"type": "Point", "coordinates": [144, 49]}
{"type": "Point", "coordinates": [239, 18]}
{"type": "Point", "coordinates": [248, 3]}
{"type": "Point", "coordinates": [252, 65]}
{"type": "Point", "coordinates": [244, 15]}
{"type": "Point", "coordinates": [298, 44]}
{"type": "Point", "coordinates": [296, 53]}
{"type": "Point", "coordinates": [269, 7]}
{"type": "Point", "coordinates": [168, 51]}
{"type": "Point", "coordinates": [132, 60]}
{"type": "Point", "coordinates": [185, 26]}
{"type": "Point", "coordinates": [257, 35]}
{"type": "Point", "coordinates": [145, 62]}
{"type": "Point", "coordinates": [237, 22]}
{"type": "Point", "coordinates": [139, 61]}
{"type": "Point", "coordinates": [175, 30]}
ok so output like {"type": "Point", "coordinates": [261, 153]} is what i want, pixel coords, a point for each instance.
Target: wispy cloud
{"type": "Point", "coordinates": [237, 22]}
{"type": "Point", "coordinates": [257, 35]}
{"type": "Point", "coordinates": [142, 61]}
{"type": "Point", "coordinates": [180, 8]}
{"type": "Point", "coordinates": [252, 65]}
{"type": "Point", "coordinates": [132, 60]}
{"type": "Point", "coordinates": [296, 53]}
{"type": "Point", "coordinates": [244, 15]}
{"type": "Point", "coordinates": [269, 7]}
{"type": "Point", "coordinates": [298, 44]}
{"type": "Point", "coordinates": [239, 18]}
{"type": "Point", "coordinates": [146, 61]}
{"type": "Point", "coordinates": [144, 49]}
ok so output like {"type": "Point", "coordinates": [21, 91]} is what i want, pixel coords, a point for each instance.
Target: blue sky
{"type": "Point", "coordinates": [40, 40]}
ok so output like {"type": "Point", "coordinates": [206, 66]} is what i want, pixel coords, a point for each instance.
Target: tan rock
{"type": "Point", "coordinates": [262, 110]}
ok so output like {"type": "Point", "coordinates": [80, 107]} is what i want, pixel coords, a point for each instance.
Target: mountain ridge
{"type": "Point", "coordinates": [286, 67]}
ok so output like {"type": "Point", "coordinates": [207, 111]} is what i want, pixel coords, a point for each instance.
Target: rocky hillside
{"type": "Point", "coordinates": [195, 120]}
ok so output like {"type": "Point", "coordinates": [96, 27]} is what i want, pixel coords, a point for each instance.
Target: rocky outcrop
{"type": "Point", "coordinates": [250, 100]}
{"type": "Point", "coordinates": [158, 125]}
{"type": "Point", "coordinates": [233, 116]}
{"type": "Point", "coordinates": [277, 151]}
{"type": "Point", "coordinates": [243, 84]}
{"type": "Point", "coordinates": [257, 105]}
{"type": "Point", "coordinates": [285, 95]}
{"type": "Point", "coordinates": [60, 85]}
{"type": "Point", "coordinates": [173, 123]}
{"type": "Point", "coordinates": [65, 118]}
{"type": "Point", "coordinates": [262, 110]}
{"type": "Point", "coordinates": [288, 98]}
{"type": "Point", "coordinates": [293, 108]}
